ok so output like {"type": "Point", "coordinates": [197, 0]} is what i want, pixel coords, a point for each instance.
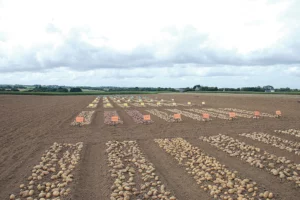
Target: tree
{"type": "Point", "coordinates": [196, 87]}
{"type": "Point", "coordinates": [268, 87]}
{"type": "Point", "coordinates": [75, 90]}
{"type": "Point", "coordinates": [60, 89]}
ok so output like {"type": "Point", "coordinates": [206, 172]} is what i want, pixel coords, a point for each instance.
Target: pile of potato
{"type": "Point", "coordinates": [50, 179]}
{"type": "Point", "coordinates": [87, 115]}
{"type": "Point", "coordinates": [92, 105]}
{"type": "Point", "coordinates": [275, 141]}
{"type": "Point", "coordinates": [137, 116]}
{"type": "Point", "coordinates": [187, 114]}
{"type": "Point", "coordinates": [277, 166]}
{"type": "Point", "coordinates": [163, 115]}
{"type": "Point", "coordinates": [212, 176]}
{"type": "Point", "coordinates": [138, 104]}
{"type": "Point", "coordinates": [108, 115]}
{"type": "Point", "coordinates": [219, 111]}
{"type": "Point", "coordinates": [169, 104]}
{"type": "Point", "coordinates": [211, 114]}
{"type": "Point", "coordinates": [122, 105]}
{"type": "Point", "coordinates": [249, 112]}
{"type": "Point", "coordinates": [106, 103]}
{"type": "Point", "coordinates": [293, 132]}
{"type": "Point", "coordinates": [134, 176]}
{"type": "Point", "coordinates": [96, 101]}
{"type": "Point", "coordinates": [152, 104]}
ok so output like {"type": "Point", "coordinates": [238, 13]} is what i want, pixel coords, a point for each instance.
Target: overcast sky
{"type": "Point", "coordinates": [233, 43]}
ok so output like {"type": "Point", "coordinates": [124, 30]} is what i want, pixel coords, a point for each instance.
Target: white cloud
{"type": "Point", "coordinates": [137, 40]}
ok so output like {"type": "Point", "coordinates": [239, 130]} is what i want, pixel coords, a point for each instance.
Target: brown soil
{"type": "Point", "coordinates": [30, 124]}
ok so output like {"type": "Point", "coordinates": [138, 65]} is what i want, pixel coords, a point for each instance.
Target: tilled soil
{"type": "Point", "coordinates": [30, 124]}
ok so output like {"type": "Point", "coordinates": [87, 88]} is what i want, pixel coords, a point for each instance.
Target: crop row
{"type": "Point", "coordinates": [187, 114]}
{"type": "Point", "coordinates": [94, 103]}
{"type": "Point", "coordinates": [123, 105]}
{"type": "Point", "coordinates": [87, 118]}
{"type": "Point", "coordinates": [211, 175]}
{"type": "Point", "coordinates": [277, 166]}
{"type": "Point", "coordinates": [51, 178]}
{"type": "Point", "coordinates": [137, 116]}
{"type": "Point", "coordinates": [134, 176]}
{"type": "Point", "coordinates": [211, 114]}
{"type": "Point", "coordinates": [249, 112]}
{"type": "Point", "coordinates": [293, 132]}
{"type": "Point", "coordinates": [274, 141]}
{"type": "Point", "coordinates": [225, 112]}
{"type": "Point", "coordinates": [153, 104]}
{"type": "Point", "coordinates": [106, 103]}
{"type": "Point", "coordinates": [163, 115]}
{"type": "Point", "coordinates": [138, 104]}
{"type": "Point", "coordinates": [108, 117]}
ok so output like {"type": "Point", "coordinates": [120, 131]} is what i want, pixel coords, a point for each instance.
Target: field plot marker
{"type": "Point", "coordinates": [115, 120]}
{"type": "Point", "coordinates": [79, 119]}
{"type": "Point", "coordinates": [211, 113]}
{"type": "Point", "coordinates": [112, 118]}
{"type": "Point", "coordinates": [232, 115]}
{"type": "Point", "coordinates": [84, 118]}
{"type": "Point", "coordinates": [177, 117]}
{"type": "Point", "coordinates": [147, 119]}
{"type": "Point", "coordinates": [256, 114]}
{"type": "Point", "coordinates": [187, 114]}
{"type": "Point", "coordinates": [205, 116]}
{"type": "Point", "coordinates": [278, 113]}
{"type": "Point", "coordinates": [163, 115]}
{"type": "Point", "coordinates": [138, 117]}
{"type": "Point", "coordinates": [245, 113]}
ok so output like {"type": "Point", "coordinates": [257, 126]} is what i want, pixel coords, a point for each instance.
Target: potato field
{"type": "Point", "coordinates": [158, 146]}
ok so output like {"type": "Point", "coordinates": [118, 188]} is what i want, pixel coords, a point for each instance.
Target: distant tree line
{"type": "Point", "coordinates": [249, 89]}
{"type": "Point", "coordinates": [56, 88]}
{"type": "Point", "coordinates": [53, 89]}
{"type": "Point", "coordinates": [14, 88]}
{"type": "Point", "coordinates": [144, 89]}
{"type": "Point", "coordinates": [48, 89]}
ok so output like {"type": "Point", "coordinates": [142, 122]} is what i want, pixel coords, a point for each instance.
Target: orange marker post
{"type": "Point", "coordinates": [278, 113]}
{"type": "Point", "coordinates": [147, 117]}
{"type": "Point", "coordinates": [256, 114]}
{"type": "Point", "coordinates": [177, 117]}
{"type": "Point", "coordinates": [79, 119]}
{"type": "Point", "coordinates": [205, 116]}
{"type": "Point", "coordinates": [115, 119]}
{"type": "Point", "coordinates": [232, 115]}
